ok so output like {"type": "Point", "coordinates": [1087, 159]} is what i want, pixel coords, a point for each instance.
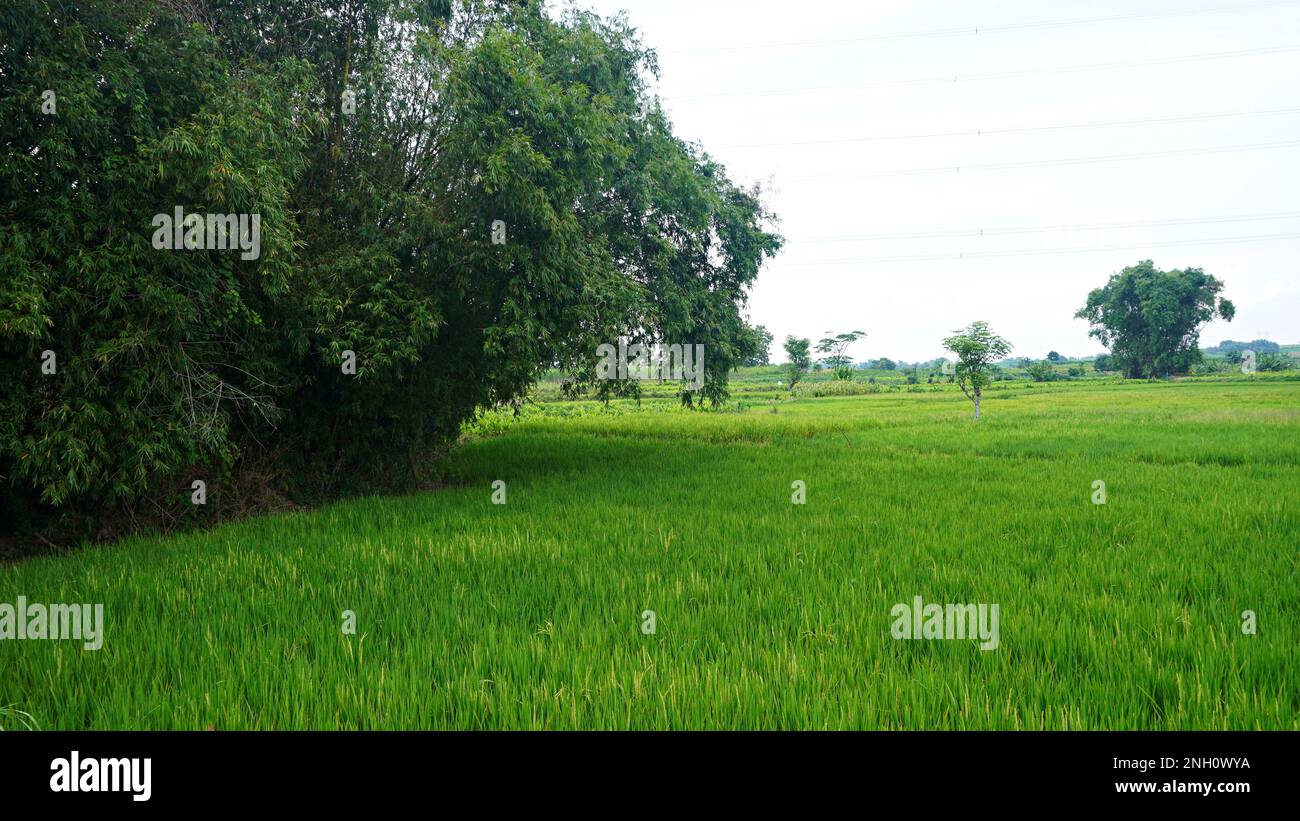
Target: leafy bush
{"type": "Point", "coordinates": [1274, 362]}
{"type": "Point", "coordinates": [1042, 372]}
{"type": "Point", "coordinates": [1213, 366]}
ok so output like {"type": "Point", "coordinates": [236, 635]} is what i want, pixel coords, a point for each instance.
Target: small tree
{"type": "Point", "coordinates": [757, 346]}
{"type": "Point", "coordinates": [796, 350]}
{"type": "Point", "coordinates": [837, 346]}
{"type": "Point", "coordinates": [1053, 356]}
{"type": "Point", "coordinates": [977, 348]}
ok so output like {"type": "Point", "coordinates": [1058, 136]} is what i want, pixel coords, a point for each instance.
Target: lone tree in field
{"type": "Point", "coordinates": [977, 348]}
{"type": "Point", "coordinates": [1151, 319]}
{"type": "Point", "coordinates": [837, 346]}
{"type": "Point", "coordinates": [796, 350]}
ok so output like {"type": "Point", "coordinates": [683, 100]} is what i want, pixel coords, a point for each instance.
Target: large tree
{"type": "Point", "coordinates": [379, 141]}
{"type": "Point", "coordinates": [1151, 320]}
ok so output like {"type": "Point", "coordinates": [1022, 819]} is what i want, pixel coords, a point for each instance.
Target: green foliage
{"type": "Point", "coordinates": [375, 237]}
{"type": "Point", "coordinates": [1274, 362]}
{"type": "Point", "coordinates": [1151, 319]}
{"type": "Point", "coordinates": [836, 347]}
{"type": "Point", "coordinates": [161, 356]}
{"type": "Point", "coordinates": [758, 346]}
{"type": "Point", "coordinates": [1041, 371]}
{"type": "Point", "coordinates": [797, 350]}
{"type": "Point", "coordinates": [835, 387]}
{"type": "Point", "coordinates": [977, 349]}
{"type": "Point", "coordinates": [1215, 365]}
{"type": "Point", "coordinates": [1259, 346]}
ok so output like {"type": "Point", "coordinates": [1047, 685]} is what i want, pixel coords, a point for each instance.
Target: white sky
{"type": "Point", "coordinates": [907, 307]}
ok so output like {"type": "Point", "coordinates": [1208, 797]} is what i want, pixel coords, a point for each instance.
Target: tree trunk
{"type": "Point", "coordinates": [977, 402]}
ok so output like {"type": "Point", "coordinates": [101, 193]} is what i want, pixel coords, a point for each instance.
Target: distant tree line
{"type": "Point", "coordinates": [1228, 346]}
{"type": "Point", "coordinates": [1149, 319]}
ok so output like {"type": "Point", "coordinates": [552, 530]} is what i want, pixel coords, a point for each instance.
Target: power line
{"type": "Point", "coordinates": [1041, 229]}
{"type": "Point", "coordinates": [994, 29]}
{"type": "Point", "coordinates": [995, 75]}
{"type": "Point", "coordinates": [981, 132]}
{"type": "Point", "coordinates": [1045, 251]}
{"type": "Point", "coordinates": [956, 169]}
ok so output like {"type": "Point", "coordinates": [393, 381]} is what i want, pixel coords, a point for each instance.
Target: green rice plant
{"type": "Point", "coordinates": [766, 613]}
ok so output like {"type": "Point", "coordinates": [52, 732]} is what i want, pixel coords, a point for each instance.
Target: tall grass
{"type": "Point", "coordinates": [768, 614]}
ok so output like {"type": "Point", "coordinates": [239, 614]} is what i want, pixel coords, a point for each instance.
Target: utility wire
{"type": "Point", "coordinates": [994, 75]}
{"type": "Point", "coordinates": [957, 169]}
{"type": "Point", "coordinates": [1043, 251]}
{"type": "Point", "coordinates": [961, 31]}
{"type": "Point", "coordinates": [1042, 229]}
{"type": "Point", "coordinates": [982, 132]}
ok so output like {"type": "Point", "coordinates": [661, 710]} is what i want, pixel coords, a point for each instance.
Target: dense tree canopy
{"type": "Point", "coordinates": [384, 144]}
{"type": "Point", "coordinates": [1151, 319]}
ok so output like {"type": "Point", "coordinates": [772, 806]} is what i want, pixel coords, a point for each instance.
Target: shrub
{"type": "Point", "coordinates": [1274, 362]}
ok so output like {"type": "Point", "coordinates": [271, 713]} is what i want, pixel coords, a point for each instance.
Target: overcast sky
{"type": "Point", "coordinates": [907, 306]}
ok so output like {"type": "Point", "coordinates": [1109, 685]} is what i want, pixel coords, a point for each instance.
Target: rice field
{"type": "Point", "coordinates": [766, 614]}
